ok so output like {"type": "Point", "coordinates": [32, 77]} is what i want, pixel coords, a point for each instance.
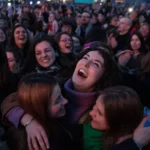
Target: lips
{"type": "Point", "coordinates": [45, 60]}
{"type": "Point", "coordinates": [82, 73]}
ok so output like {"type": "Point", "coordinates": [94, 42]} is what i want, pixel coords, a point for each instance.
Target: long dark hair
{"type": "Point", "coordinates": [123, 111]}
{"type": "Point", "coordinates": [143, 49]}
{"type": "Point", "coordinates": [109, 77]}
{"type": "Point", "coordinates": [31, 62]}
{"type": "Point", "coordinates": [12, 40]}
{"type": "Point", "coordinates": [13, 44]}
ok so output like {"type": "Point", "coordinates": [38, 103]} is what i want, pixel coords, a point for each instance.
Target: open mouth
{"type": "Point", "coordinates": [23, 38]}
{"type": "Point", "coordinates": [82, 73]}
{"type": "Point", "coordinates": [45, 60]}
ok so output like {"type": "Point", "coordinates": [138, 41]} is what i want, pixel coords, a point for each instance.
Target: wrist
{"type": "Point", "coordinates": [137, 144]}
{"type": "Point", "coordinates": [28, 122]}
{"type": "Point", "coordinates": [26, 119]}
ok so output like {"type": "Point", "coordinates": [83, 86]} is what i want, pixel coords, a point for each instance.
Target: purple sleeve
{"type": "Point", "coordinates": [14, 116]}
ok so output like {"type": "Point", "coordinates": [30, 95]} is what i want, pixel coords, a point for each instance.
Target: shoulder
{"type": "Point", "coordinates": [128, 144]}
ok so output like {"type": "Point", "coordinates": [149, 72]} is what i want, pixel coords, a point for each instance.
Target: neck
{"type": "Point", "coordinates": [123, 138]}
{"type": "Point", "coordinates": [123, 32]}
{"type": "Point", "coordinates": [82, 90]}
{"type": "Point", "coordinates": [136, 51]}
{"type": "Point", "coordinates": [20, 46]}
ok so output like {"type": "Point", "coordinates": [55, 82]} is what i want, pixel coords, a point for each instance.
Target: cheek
{"type": "Point", "coordinates": [61, 44]}
{"type": "Point", "coordinates": [54, 110]}
{"type": "Point", "coordinates": [37, 58]}
{"type": "Point", "coordinates": [97, 73]}
{"type": "Point", "coordinates": [15, 36]}
{"type": "Point", "coordinates": [139, 44]}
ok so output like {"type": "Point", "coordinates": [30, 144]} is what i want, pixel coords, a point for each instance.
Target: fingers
{"type": "Point", "coordinates": [29, 144]}
{"type": "Point", "coordinates": [34, 143]}
{"type": "Point", "coordinates": [45, 138]}
{"type": "Point", "coordinates": [41, 142]}
{"type": "Point", "coordinates": [143, 122]}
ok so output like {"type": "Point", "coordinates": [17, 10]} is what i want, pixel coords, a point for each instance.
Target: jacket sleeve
{"type": "Point", "coordinates": [128, 144]}
{"type": "Point", "coordinates": [11, 112]}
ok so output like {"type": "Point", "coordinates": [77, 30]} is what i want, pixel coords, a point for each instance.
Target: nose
{"type": "Point", "coordinates": [92, 113]}
{"type": "Point", "coordinates": [64, 101]}
{"type": "Point", "coordinates": [87, 64]}
{"type": "Point", "coordinates": [43, 54]}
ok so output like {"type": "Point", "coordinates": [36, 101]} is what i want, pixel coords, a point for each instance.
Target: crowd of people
{"type": "Point", "coordinates": [74, 77]}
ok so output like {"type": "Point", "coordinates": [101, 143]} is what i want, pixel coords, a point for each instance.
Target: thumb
{"type": "Point", "coordinates": [143, 121]}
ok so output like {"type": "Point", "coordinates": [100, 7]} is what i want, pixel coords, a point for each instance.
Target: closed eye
{"type": "Point", "coordinates": [58, 100]}
{"type": "Point", "coordinates": [38, 53]}
{"type": "Point", "coordinates": [97, 65]}
{"type": "Point", "coordinates": [85, 57]}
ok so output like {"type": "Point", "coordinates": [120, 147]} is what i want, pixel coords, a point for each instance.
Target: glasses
{"type": "Point", "coordinates": [65, 40]}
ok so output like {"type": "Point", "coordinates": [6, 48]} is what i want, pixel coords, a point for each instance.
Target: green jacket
{"type": "Point", "coordinates": [92, 138]}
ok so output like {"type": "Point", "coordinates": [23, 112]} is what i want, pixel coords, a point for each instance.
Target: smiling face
{"type": "Point", "coordinates": [99, 121]}
{"type": "Point", "coordinates": [20, 36]}
{"type": "Point", "coordinates": [44, 53]}
{"type": "Point", "coordinates": [57, 103]}
{"type": "Point", "coordinates": [65, 43]}
{"type": "Point", "coordinates": [88, 71]}
{"type": "Point", "coordinates": [135, 42]}
{"type": "Point", "coordinates": [2, 36]}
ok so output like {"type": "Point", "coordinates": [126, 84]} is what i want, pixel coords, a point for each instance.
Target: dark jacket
{"type": "Point", "coordinates": [61, 137]}
{"type": "Point", "coordinates": [128, 144]}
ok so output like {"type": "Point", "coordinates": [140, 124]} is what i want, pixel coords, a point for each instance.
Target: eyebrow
{"type": "Point", "coordinates": [44, 49]}
{"type": "Point", "coordinates": [95, 60]}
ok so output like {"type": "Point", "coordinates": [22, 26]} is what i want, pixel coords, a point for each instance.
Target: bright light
{"type": "Point", "coordinates": [31, 2]}
{"type": "Point", "coordinates": [38, 2]}
{"type": "Point", "coordinates": [100, 3]}
{"type": "Point", "coordinates": [102, 0]}
{"type": "Point", "coordinates": [9, 4]}
{"type": "Point", "coordinates": [64, 1]}
{"type": "Point", "coordinates": [130, 9]}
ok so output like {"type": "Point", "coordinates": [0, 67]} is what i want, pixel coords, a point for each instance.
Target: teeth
{"type": "Point", "coordinates": [45, 60]}
{"type": "Point", "coordinates": [82, 71]}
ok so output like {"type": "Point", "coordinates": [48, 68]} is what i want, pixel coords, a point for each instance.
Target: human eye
{"type": "Point", "coordinates": [96, 65]}
{"type": "Point", "coordinates": [85, 57]}
{"type": "Point", "coordinates": [37, 53]}
{"type": "Point", "coordinates": [17, 32]}
{"type": "Point", "coordinates": [58, 100]}
{"type": "Point", "coordinates": [47, 50]}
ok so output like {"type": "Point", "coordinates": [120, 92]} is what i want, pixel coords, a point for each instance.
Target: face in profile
{"type": "Point", "coordinates": [99, 120]}
{"type": "Point", "coordinates": [57, 104]}
{"type": "Point", "coordinates": [44, 54]}
{"type": "Point", "coordinates": [20, 36]}
{"type": "Point", "coordinates": [2, 36]}
{"type": "Point", "coordinates": [88, 71]}
{"type": "Point", "coordinates": [65, 43]}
